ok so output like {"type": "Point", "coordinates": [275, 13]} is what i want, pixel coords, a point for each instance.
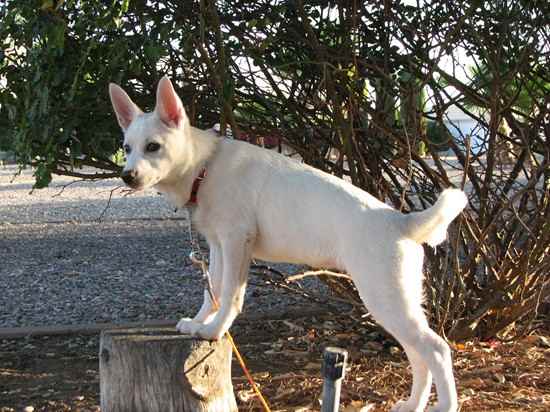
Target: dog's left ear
{"type": "Point", "coordinates": [169, 108]}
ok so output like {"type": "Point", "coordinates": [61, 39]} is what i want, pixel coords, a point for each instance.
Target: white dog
{"type": "Point", "coordinates": [254, 203]}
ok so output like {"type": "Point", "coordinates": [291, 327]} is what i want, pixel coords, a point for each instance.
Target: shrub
{"type": "Point", "coordinates": [328, 78]}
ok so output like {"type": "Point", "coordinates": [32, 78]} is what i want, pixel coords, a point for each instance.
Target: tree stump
{"type": "Point", "coordinates": [161, 370]}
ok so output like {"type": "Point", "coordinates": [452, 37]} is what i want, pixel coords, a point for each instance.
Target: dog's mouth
{"type": "Point", "coordinates": [140, 184]}
{"type": "Point", "coordinates": [133, 184]}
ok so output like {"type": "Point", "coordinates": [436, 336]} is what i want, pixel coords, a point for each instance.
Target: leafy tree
{"type": "Point", "coordinates": [326, 77]}
{"type": "Point", "coordinates": [58, 58]}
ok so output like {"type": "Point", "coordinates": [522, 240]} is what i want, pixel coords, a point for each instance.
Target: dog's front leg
{"type": "Point", "coordinates": [236, 255]}
{"type": "Point", "coordinates": [207, 310]}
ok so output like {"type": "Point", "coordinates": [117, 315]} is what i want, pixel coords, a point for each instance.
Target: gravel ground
{"type": "Point", "coordinates": [60, 265]}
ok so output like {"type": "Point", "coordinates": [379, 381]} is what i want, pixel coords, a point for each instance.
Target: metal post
{"type": "Point", "coordinates": [334, 366]}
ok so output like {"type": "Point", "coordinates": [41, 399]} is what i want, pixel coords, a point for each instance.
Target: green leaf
{"type": "Point", "coordinates": [43, 176]}
{"type": "Point", "coordinates": [56, 36]}
{"type": "Point", "coordinates": [47, 4]}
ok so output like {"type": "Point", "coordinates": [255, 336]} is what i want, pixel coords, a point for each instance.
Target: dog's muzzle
{"type": "Point", "coordinates": [130, 177]}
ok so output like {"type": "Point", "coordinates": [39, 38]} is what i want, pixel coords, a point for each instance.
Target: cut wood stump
{"type": "Point", "coordinates": [161, 370]}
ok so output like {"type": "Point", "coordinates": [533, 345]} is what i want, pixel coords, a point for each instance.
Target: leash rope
{"type": "Point", "coordinates": [198, 259]}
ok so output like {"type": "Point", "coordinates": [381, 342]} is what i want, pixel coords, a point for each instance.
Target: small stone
{"type": "Point", "coordinates": [329, 324]}
{"type": "Point", "coordinates": [246, 395]}
{"type": "Point", "coordinates": [29, 409]}
{"type": "Point", "coordinates": [394, 350]}
{"type": "Point", "coordinates": [499, 377]}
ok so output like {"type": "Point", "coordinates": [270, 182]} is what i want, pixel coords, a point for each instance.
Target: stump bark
{"type": "Point", "coordinates": [160, 370]}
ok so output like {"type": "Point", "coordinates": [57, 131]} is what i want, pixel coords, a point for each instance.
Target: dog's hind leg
{"type": "Point", "coordinates": [421, 386]}
{"type": "Point", "coordinates": [426, 351]}
{"type": "Point", "coordinates": [392, 293]}
{"type": "Point", "coordinates": [207, 310]}
{"type": "Point", "coordinates": [437, 356]}
{"type": "Point", "coordinates": [237, 253]}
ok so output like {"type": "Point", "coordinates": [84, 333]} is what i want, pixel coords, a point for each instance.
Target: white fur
{"type": "Point", "coordinates": [257, 203]}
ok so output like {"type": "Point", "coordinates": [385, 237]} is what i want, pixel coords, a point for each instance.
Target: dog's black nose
{"type": "Point", "coordinates": [129, 176]}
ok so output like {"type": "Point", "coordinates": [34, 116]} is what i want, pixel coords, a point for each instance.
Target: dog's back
{"type": "Point", "coordinates": [318, 209]}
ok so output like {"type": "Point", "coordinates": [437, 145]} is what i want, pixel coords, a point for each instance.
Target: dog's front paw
{"type": "Point", "coordinates": [188, 326]}
{"type": "Point", "coordinates": [210, 332]}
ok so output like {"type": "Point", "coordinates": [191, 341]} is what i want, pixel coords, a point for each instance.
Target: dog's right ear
{"type": "Point", "coordinates": [125, 109]}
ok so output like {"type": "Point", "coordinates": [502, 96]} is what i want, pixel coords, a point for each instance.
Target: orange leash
{"type": "Point", "coordinates": [238, 355]}
{"type": "Point", "coordinates": [247, 373]}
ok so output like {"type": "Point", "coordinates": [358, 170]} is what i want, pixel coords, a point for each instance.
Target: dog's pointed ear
{"type": "Point", "coordinates": [169, 108]}
{"type": "Point", "coordinates": [125, 109]}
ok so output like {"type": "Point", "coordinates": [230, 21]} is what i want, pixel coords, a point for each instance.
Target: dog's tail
{"type": "Point", "coordinates": [430, 225]}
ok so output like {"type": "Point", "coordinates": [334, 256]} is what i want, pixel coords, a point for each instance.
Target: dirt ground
{"type": "Point", "coordinates": [61, 373]}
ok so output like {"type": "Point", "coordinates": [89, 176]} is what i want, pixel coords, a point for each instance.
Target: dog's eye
{"type": "Point", "coordinates": [127, 149]}
{"type": "Point", "coordinates": [152, 147]}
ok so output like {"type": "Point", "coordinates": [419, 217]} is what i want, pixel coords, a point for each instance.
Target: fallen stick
{"type": "Point", "coordinates": [95, 328]}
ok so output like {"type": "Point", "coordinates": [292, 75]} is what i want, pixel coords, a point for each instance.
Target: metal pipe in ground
{"type": "Point", "coordinates": [333, 369]}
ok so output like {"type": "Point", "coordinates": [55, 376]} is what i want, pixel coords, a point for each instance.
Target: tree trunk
{"type": "Point", "coordinates": [160, 370]}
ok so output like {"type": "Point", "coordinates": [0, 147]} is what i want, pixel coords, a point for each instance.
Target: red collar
{"type": "Point", "coordinates": [196, 186]}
